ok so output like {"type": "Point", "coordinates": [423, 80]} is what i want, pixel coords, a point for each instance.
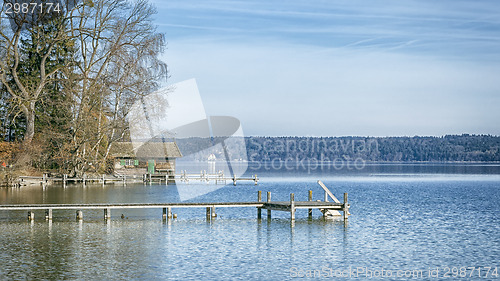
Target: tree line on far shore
{"type": "Point", "coordinates": [449, 148]}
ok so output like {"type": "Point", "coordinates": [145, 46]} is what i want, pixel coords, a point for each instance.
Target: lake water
{"type": "Point", "coordinates": [412, 221]}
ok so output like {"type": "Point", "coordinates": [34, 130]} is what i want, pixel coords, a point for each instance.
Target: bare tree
{"type": "Point", "coordinates": [25, 83]}
{"type": "Point", "coordinates": [115, 63]}
{"type": "Point", "coordinates": [119, 49]}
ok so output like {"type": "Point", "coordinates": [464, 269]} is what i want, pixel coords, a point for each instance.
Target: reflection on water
{"type": "Point", "coordinates": [407, 223]}
{"type": "Point", "coordinates": [151, 249]}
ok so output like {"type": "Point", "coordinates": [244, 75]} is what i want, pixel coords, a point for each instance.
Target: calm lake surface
{"type": "Point", "coordinates": [406, 219]}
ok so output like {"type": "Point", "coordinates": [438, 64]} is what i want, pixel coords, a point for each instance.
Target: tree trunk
{"type": "Point", "coordinates": [30, 122]}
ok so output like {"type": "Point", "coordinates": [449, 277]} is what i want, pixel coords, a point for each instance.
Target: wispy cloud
{"type": "Point", "coordinates": [341, 67]}
{"type": "Point", "coordinates": [342, 23]}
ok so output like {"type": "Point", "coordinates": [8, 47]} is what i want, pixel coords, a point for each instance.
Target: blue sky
{"type": "Point", "coordinates": [336, 68]}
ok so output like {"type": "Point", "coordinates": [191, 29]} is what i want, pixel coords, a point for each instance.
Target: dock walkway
{"type": "Point", "coordinates": [326, 207]}
{"type": "Point", "coordinates": [167, 178]}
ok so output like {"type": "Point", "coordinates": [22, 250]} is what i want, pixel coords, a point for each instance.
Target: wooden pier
{"type": "Point", "coordinates": [216, 178]}
{"type": "Point", "coordinates": [64, 180]}
{"type": "Point", "coordinates": [203, 176]}
{"type": "Point", "coordinates": [291, 206]}
{"type": "Point", "coordinates": [167, 178]}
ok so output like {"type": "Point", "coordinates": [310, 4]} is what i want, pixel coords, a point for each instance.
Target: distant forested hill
{"type": "Point", "coordinates": [468, 148]}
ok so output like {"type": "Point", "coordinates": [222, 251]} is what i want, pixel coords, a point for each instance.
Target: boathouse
{"type": "Point", "coordinates": [148, 157]}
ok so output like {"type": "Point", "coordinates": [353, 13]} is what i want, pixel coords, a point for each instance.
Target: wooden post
{"type": "Point", "coordinates": [150, 179]}
{"type": "Point", "coordinates": [234, 180]}
{"type": "Point", "coordinates": [208, 213]}
{"type": "Point", "coordinates": [64, 180]}
{"type": "Point", "coordinates": [268, 201]}
{"type": "Point", "coordinates": [345, 207]}
{"type": "Point", "coordinates": [259, 210]}
{"type": "Point", "coordinates": [310, 211]}
{"type": "Point", "coordinates": [79, 215]}
{"type": "Point", "coordinates": [255, 179]}
{"type": "Point", "coordinates": [164, 214]}
{"type": "Point", "coordinates": [107, 213]}
{"type": "Point", "coordinates": [84, 179]}
{"type": "Point", "coordinates": [31, 215]}
{"type": "Point", "coordinates": [326, 196]}
{"type": "Point", "coordinates": [48, 214]}
{"type": "Point", "coordinates": [214, 214]}
{"type": "Point", "coordinates": [292, 206]}
{"type": "Point", "coordinates": [169, 212]}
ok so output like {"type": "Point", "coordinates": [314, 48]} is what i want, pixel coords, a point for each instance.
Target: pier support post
{"type": "Point", "coordinates": [79, 215]}
{"type": "Point", "coordinates": [107, 214]}
{"type": "Point", "coordinates": [259, 210]}
{"type": "Point", "coordinates": [310, 211]}
{"type": "Point", "coordinates": [345, 207]}
{"type": "Point", "coordinates": [234, 180]}
{"type": "Point", "coordinates": [167, 213]}
{"type": "Point", "coordinates": [255, 179]}
{"type": "Point", "coordinates": [292, 206]}
{"type": "Point", "coordinates": [208, 213]}
{"type": "Point", "coordinates": [48, 214]}
{"type": "Point", "coordinates": [31, 215]}
{"type": "Point", "coordinates": [268, 201]}
{"type": "Point", "coordinates": [214, 214]}
{"type": "Point", "coordinates": [65, 177]}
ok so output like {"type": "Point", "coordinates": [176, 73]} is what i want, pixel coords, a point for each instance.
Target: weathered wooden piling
{"type": "Point", "coordinates": [107, 213]}
{"type": "Point", "coordinates": [268, 201]}
{"type": "Point", "coordinates": [48, 214]}
{"type": "Point", "coordinates": [345, 207]}
{"type": "Point", "coordinates": [259, 210]}
{"type": "Point", "coordinates": [292, 206]}
{"type": "Point", "coordinates": [208, 213]}
{"type": "Point", "coordinates": [310, 211]}
{"type": "Point", "coordinates": [79, 215]}
{"type": "Point", "coordinates": [164, 216]}
{"type": "Point", "coordinates": [214, 214]}
{"type": "Point", "coordinates": [31, 215]}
